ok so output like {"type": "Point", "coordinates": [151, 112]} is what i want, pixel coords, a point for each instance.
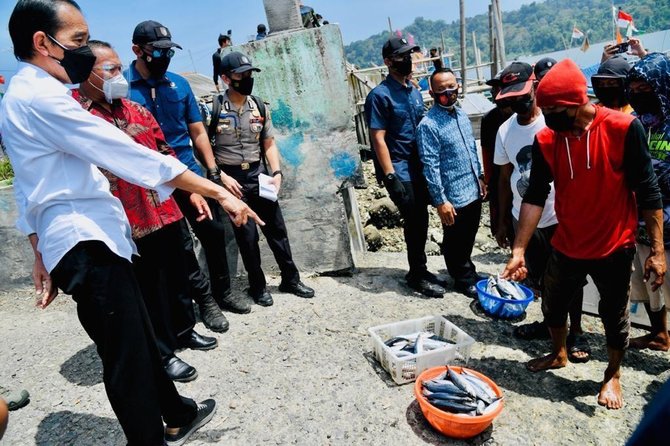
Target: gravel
{"type": "Point", "coordinates": [301, 372]}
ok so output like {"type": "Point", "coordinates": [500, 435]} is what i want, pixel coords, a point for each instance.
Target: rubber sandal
{"type": "Point", "coordinates": [578, 344]}
{"type": "Point", "coordinates": [534, 330]}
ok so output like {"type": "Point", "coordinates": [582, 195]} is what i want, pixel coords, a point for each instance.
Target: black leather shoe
{"type": "Point", "coordinates": [211, 315]}
{"type": "Point", "coordinates": [196, 341]}
{"type": "Point", "coordinates": [426, 288]}
{"type": "Point", "coordinates": [299, 289]}
{"type": "Point", "coordinates": [179, 371]}
{"type": "Point", "coordinates": [467, 290]}
{"type": "Point", "coordinates": [263, 298]}
{"type": "Point", "coordinates": [235, 303]}
{"type": "Point", "coordinates": [432, 278]}
{"type": "Point", "coordinates": [204, 414]}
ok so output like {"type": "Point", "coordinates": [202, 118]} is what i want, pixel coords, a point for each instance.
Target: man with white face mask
{"type": "Point", "coordinates": [454, 175]}
{"type": "Point", "coordinates": [156, 227]}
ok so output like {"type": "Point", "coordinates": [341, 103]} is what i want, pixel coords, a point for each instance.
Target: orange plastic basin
{"type": "Point", "coordinates": [455, 425]}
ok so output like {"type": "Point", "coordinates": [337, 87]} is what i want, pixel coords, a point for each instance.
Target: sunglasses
{"type": "Point", "coordinates": [155, 53]}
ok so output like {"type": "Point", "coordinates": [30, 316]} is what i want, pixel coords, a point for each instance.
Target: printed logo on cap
{"type": "Point", "coordinates": [162, 31]}
{"type": "Point", "coordinates": [244, 60]}
{"type": "Point", "coordinates": [403, 41]}
{"type": "Point", "coordinates": [510, 77]}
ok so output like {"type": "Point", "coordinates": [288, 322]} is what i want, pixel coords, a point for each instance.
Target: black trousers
{"type": "Point", "coordinates": [413, 208]}
{"type": "Point", "coordinates": [458, 241]}
{"type": "Point", "coordinates": [211, 234]}
{"type": "Point", "coordinates": [611, 275]}
{"type": "Point", "coordinates": [274, 231]}
{"type": "Point", "coordinates": [111, 310]}
{"type": "Point", "coordinates": [161, 273]}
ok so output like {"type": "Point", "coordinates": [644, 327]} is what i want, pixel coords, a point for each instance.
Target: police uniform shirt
{"type": "Point", "coordinates": [240, 132]}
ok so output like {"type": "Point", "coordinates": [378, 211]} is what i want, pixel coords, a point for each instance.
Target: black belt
{"type": "Point", "coordinates": [239, 167]}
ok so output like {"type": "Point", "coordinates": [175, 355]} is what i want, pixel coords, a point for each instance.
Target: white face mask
{"type": "Point", "coordinates": [115, 88]}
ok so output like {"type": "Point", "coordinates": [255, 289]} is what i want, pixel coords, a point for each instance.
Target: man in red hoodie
{"type": "Point", "coordinates": [602, 172]}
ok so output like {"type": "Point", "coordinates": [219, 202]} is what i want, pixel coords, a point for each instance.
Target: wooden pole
{"type": "Point", "coordinates": [390, 26]}
{"type": "Point", "coordinates": [478, 58]}
{"type": "Point", "coordinates": [492, 43]}
{"type": "Point", "coordinates": [464, 80]}
{"type": "Point", "coordinates": [444, 48]}
{"type": "Point", "coordinates": [499, 31]}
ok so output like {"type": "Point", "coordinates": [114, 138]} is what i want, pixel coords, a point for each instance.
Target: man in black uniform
{"type": "Point", "coordinates": [224, 42]}
{"type": "Point", "coordinates": [244, 149]}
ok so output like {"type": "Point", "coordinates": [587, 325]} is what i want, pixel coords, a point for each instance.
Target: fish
{"type": "Point", "coordinates": [418, 344]}
{"type": "Point", "coordinates": [507, 290]}
{"type": "Point", "coordinates": [481, 407]}
{"type": "Point", "coordinates": [481, 388]}
{"type": "Point", "coordinates": [395, 340]}
{"type": "Point", "coordinates": [453, 406]}
{"type": "Point", "coordinates": [441, 339]}
{"type": "Point", "coordinates": [491, 287]}
{"type": "Point", "coordinates": [461, 382]}
{"type": "Point", "coordinates": [444, 387]}
{"type": "Point", "coordinates": [447, 396]}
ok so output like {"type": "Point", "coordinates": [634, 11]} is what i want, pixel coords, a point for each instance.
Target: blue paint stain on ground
{"type": "Point", "coordinates": [343, 165]}
{"type": "Point", "coordinates": [289, 148]}
{"type": "Point", "coordinates": [282, 116]}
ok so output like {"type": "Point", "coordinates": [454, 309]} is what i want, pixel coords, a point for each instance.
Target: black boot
{"type": "Point", "coordinates": [211, 315]}
{"type": "Point", "coordinates": [235, 303]}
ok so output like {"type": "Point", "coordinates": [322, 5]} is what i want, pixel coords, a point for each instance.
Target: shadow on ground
{"type": "Point", "coordinates": [84, 368]}
{"type": "Point", "coordinates": [389, 279]}
{"type": "Point", "coordinates": [428, 434]}
{"type": "Point", "coordinates": [78, 429]}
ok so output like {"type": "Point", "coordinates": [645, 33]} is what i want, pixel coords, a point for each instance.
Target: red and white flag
{"type": "Point", "coordinates": [577, 34]}
{"type": "Point", "coordinates": [624, 20]}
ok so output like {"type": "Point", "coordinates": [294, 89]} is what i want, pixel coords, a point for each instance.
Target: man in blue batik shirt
{"type": "Point", "coordinates": [454, 175]}
{"type": "Point", "coordinates": [393, 111]}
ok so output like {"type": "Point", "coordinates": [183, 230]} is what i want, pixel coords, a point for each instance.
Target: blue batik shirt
{"type": "Point", "coordinates": [173, 104]}
{"type": "Point", "coordinates": [397, 109]}
{"type": "Point", "coordinates": [449, 155]}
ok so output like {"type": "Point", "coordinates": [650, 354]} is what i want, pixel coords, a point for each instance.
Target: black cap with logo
{"type": "Point", "coordinates": [397, 46]}
{"type": "Point", "coordinates": [516, 80]}
{"type": "Point", "coordinates": [543, 66]}
{"type": "Point", "coordinates": [236, 62]}
{"type": "Point", "coordinates": [153, 33]}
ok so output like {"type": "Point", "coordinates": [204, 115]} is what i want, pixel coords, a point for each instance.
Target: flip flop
{"type": "Point", "coordinates": [534, 330]}
{"type": "Point", "coordinates": [578, 344]}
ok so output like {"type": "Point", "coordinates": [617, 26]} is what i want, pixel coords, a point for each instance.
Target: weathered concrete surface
{"type": "Point", "coordinates": [304, 80]}
{"type": "Point", "coordinates": [301, 372]}
{"type": "Point", "coordinates": [15, 253]}
{"type": "Point", "coordinates": [283, 15]}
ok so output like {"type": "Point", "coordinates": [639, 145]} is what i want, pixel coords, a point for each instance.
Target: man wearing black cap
{"type": "Point", "coordinates": [542, 67]}
{"type": "Point", "coordinates": [245, 149]}
{"type": "Point", "coordinates": [169, 98]}
{"type": "Point", "coordinates": [393, 111]}
{"type": "Point", "coordinates": [224, 42]}
{"type": "Point", "coordinates": [609, 84]}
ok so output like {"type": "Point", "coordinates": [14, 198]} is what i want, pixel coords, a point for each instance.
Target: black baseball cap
{"type": "Point", "coordinates": [542, 66]}
{"type": "Point", "coordinates": [495, 80]}
{"type": "Point", "coordinates": [153, 33]}
{"type": "Point", "coordinates": [396, 46]}
{"type": "Point", "coordinates": [236, 62]}
{"type": "Point", "coordinates": [616, 67]}
{"type": "Point", "coordinates": [516, 80]}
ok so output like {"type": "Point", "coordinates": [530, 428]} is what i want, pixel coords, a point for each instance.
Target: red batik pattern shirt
{"type": "Point", "coordinates": [145, 212]}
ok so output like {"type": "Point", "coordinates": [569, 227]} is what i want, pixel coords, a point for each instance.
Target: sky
{"type": "Point", "coordinates": [196, 24]}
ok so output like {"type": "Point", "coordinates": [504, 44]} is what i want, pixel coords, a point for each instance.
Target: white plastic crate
{"type": "Point", "coordinates": [406, 369]}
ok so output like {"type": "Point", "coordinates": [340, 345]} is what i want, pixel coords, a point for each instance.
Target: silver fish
{"type": "Point", "coordinates": [462, 383]}
{"type": "Point", "coordinates": [509, 291]}
{"type": "Point", "coordinates": [418, 344]}
{"type": "Point", "coordinates": [448, 396]}
{"type": "Point", "coordinates": [481, 407]}
{"type": "Point", "coordinates": [444, 387]}
{"type": "Point", "coordinates": [491, 287]}
{"type": "Point", "coordinates": [480, 388]}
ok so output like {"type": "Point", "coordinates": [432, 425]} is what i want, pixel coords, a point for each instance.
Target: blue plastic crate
{"type": "Point", "coordinates": [500, 307]}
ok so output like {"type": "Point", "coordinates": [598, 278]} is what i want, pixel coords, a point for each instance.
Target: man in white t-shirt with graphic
{"type": "Point", "coordinates": [514, 142]}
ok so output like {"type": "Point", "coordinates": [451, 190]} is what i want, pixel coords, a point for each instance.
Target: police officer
{"type": "Point", "coordinates": [245, 148]}
{"type": "Point", "coordinates": [393, 110]}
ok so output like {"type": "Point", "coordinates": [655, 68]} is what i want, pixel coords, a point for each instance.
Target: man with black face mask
{"type": "Point", "coordinates": [602, 173]}
{"type": "Point", "coordinates": [608, 84]}
{"type": "Point", "coordinates": [393, 110]}
{"type": "Point", "coordinates": [514, 142]}
{"type": "Point", "coordinates": [648, 89]}
{"type": "Point", "coordinates": [455, 179]}
{"type": "Point", "coordinates": [170, 99]}
{"type": "Point", "coordinates": [245, 149]}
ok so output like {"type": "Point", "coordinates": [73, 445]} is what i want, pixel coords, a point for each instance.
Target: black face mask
{"type": "Point", "coordinates": [157, 66]}
{"type": "Point", "coordinates": [559, 122]}
{"type": "Point", "coordinates": [646, 102]}
{"type": "Point", "coordinates": [77, 63]}
{"type": "Point", "coordinates": [522, 107]}
{"type": "Point", "coordinates": [611, 97]}
{"type": "Point", "coordinates": [403, 67]}
{"type": "Point", "coordinates": [447, 98]}
{"type": "Point", "coordinates": [244, 86]}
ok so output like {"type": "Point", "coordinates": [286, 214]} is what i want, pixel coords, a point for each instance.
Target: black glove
{"type": "Point", "coordinates": [395, 189]}
{"type": "Point", "coordinates": [214, 175]}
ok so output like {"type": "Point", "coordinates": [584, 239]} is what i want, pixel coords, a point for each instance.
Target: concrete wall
{"type": "Point", "coordinates": [16, 256]}
{"type": "Point", "coordinates": [304, 80]}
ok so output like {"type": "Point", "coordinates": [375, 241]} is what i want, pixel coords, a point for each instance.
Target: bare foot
{"type": "Point", "coordinates": [610, 394]}
{"type": "Point", "coordinates": [651, 341]}
{"type": "Point", "coordinates": [552, 361]}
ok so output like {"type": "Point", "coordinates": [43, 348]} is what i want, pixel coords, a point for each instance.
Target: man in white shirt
{"type": "Point", "coordinates": [514, 142]}
{"type": "Point", "coordinates": [78, 230]}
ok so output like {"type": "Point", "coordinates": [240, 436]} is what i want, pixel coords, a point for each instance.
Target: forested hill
{"type": "Point", "coordinates": [536, 28]}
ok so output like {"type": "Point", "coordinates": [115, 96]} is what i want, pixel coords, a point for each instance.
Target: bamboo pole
{"type": "Point", "coordinates": [492, 43]}
{"type": "Point", "coordinates": [464, 68]}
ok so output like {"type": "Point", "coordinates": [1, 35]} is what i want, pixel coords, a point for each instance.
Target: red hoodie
{"type": "Point", "coordinates": [595, 203]}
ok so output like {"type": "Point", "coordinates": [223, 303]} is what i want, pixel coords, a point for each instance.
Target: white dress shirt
{"type": "Point", "coordinates": [54, 146]}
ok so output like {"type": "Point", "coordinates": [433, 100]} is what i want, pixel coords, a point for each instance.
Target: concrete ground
{"type": "Point", "coordinates": [302, 372]}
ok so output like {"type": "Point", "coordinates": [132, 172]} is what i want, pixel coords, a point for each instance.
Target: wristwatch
{"type": "Point", "coordinates": [277, 172]}
{"type": "Point", "coordinates": [390, 176]}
